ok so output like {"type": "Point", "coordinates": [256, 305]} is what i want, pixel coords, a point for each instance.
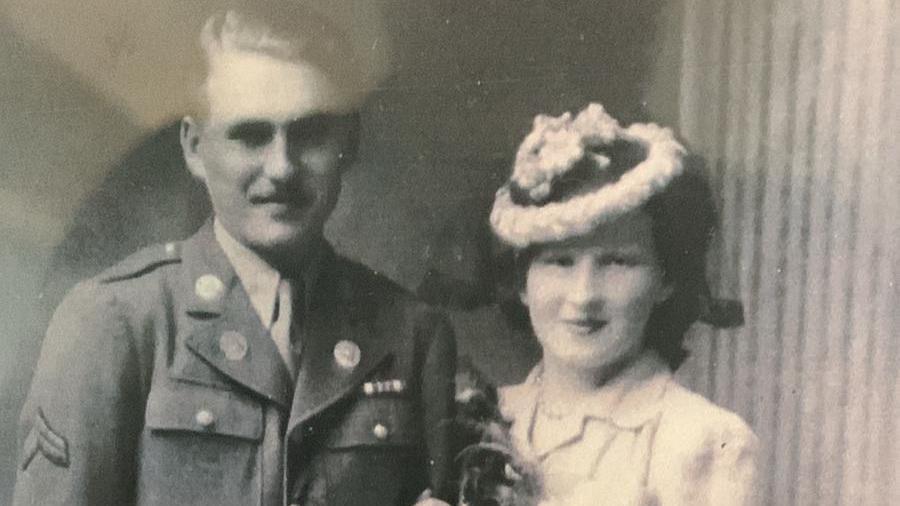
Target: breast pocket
{"type": "Point", "coordinates": [374, 453]}
{"type": "Point", "coordinates": [200, 446]}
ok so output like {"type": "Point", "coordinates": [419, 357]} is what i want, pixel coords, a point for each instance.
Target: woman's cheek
{"type": "Point", "coordinates": [545, 287]}
{"type": "Point", "coordinates": [622, 284]}
{"type": "Point", "coordinates": [630, 289]}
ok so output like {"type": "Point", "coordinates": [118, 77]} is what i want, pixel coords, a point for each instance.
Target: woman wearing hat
{"type": "Point", "coordinates": [609, 228]}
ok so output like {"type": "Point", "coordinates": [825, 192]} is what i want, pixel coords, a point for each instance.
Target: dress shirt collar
{"type": "Point", "coordinates": [259, 279]}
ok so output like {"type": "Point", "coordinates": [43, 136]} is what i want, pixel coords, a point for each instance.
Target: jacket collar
{"type": "Point", "coordinates": [338, 310]}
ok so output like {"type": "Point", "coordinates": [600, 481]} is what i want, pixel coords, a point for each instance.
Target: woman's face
{"type": "Point", "coordinates": [589, 298]}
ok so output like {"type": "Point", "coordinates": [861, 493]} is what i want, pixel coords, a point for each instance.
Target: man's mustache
{"type": "Point", "coordinates": [296, 195]}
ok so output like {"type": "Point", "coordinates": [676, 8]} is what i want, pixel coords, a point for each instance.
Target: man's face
{"type": "Point", "coordinates": [270, 150]}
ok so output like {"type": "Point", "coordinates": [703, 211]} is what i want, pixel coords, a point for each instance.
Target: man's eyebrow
{"type": "Point", "coordinates": [322, 118]}
{"type": "Point", "coordinates": [243, 128]}
{"type": "Point", "coordinates": [318, 119]}
{"type": "Point", "coordinates": [313, 117]}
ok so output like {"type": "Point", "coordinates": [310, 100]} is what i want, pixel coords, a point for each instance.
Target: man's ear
{"type": "Point", "coordinates": [189, 135]}
{"type": "Point", "coordinates": [351, 146]}
{"type": "Point", "coordinates": [665, 292]}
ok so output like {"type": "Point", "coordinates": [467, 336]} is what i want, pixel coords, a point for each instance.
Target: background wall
{"type": "Point", "coordinates": [795, 104]}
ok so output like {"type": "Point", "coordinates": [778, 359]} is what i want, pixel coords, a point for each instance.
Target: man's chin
{"type": "Point", "coordinates": [284, 211]}
{"type": "Point", "coordinates": [279, 237]}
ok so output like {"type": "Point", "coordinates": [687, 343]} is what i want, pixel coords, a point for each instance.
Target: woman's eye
{"type": "Point", "coordinates": [622, 260]}
{"type": "Point", "coordinates": [252, 135]}
{"type": "Point", "coordinates": [559, 260]}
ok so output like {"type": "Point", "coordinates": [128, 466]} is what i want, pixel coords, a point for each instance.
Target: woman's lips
{"type": "Point", "coordinates": [585, 325]}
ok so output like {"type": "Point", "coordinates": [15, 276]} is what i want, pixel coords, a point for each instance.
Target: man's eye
{"type": "Point", "coordinates": [252, 135]}
{"type": "Point", "coordinates": [307, 131]}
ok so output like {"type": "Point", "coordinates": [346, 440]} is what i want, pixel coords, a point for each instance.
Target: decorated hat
{"type": "Point", "coordinates": [573, 173]}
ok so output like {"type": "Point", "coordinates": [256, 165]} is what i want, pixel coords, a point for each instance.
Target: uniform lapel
{"type": "Point", "coordinates": [333, 318]}
{"type": "Point", "coordinates": [227, 333]}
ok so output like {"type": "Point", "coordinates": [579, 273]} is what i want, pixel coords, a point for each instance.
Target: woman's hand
{"type": "Point", "coordinates": [431, 502]}
{"type": "Point", "coordinates": [425, 499]}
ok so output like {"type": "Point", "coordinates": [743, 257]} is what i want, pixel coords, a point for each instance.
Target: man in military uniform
{"type": "Point", "coordinates": [248, 364]}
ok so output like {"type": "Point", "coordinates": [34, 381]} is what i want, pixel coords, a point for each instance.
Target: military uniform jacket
{"type": "Point", "coordinates": [158, 386]}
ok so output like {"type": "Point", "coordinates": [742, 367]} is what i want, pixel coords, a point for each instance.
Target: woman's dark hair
{"type": "Point", "coordinates": [683, 220]}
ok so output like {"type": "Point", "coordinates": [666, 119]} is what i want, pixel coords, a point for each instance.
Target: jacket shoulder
{"type": "Point", "coordinates": [702, 453]}
{"type": "Point", "coordinates": [142, 262]}
{"type": "Point", "coordinates": [102, 307]}
{"type": "Point", "coordinates": [358, 281]}
{"type": "Point", "coordinates": [697, 433]}
{"type": "Point", "coordinates": [697, 416]}
{"type": "Point", "coordinates": [372, 295]}
{"type": "Point", "coordinates": [365, 281]}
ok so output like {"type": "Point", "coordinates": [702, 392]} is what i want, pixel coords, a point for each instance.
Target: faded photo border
{"type": "Point", "coordinates": [792, 105]}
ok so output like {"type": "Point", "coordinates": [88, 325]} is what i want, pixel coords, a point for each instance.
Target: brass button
{"type": "Point", "coordinates": [209, 288]}
{"type": "Point", "coordinates": [233, 345]}
{"type": "Point", "coordinates": [380, 431]}
{"type": "Point", "coordinates": [347, 354]}
{"type": "Point", "coordinates": [205, 418]}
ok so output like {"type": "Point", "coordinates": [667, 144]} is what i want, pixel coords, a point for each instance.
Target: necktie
{"type": "Point", "coordinates": [284, 323]}
{"type": "Point", "coordinates": [298, 313]}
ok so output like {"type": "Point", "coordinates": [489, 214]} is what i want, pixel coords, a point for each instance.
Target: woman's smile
{"type": "Point", "coordinates": [584, 326]}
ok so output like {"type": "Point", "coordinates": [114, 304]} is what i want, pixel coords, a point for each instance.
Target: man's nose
{"type": "Point", "coordinates": [278, 162]}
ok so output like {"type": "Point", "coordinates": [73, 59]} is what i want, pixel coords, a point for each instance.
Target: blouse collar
{"type": "Point", "coordinates": [629, 401]}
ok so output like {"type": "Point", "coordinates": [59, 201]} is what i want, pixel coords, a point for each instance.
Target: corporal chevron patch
{"type": "Point", "coordinates": [42, 438]}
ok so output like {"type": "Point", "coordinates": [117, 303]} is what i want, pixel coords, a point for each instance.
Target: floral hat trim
{"type": "Point", "coordinates": [554, 146]}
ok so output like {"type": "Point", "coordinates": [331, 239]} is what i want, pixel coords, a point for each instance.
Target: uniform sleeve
{"type": "Point", "coordinates": [438, 391]}
{"type": "Point", "coordinates": [78, 430]}
{"type": "Point", "coordinates": [712, 463]}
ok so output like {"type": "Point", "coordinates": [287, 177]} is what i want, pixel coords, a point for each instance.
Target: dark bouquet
{"type": "Point", "coordinates": [492, 473]}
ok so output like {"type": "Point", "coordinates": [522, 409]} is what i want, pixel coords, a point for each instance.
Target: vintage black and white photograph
{"type": "Point", "coordinates": [449, 253]}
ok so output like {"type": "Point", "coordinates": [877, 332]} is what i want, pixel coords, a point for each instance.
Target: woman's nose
{"type": "Point", "coordinates": [583, 287]}
{"type": "Point", "coordinates": [278, 163]}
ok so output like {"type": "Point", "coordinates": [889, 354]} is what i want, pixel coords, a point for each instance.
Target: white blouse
{"type": "Point", "coordinates": [642, 439]}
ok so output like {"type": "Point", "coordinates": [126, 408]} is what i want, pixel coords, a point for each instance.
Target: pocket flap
{"type": "Point", "coordinates": [377, 421]}
{"type": "Point", "coordinates": [196, 408]}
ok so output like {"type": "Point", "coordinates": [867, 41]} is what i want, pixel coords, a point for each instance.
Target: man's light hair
{"type": "Point", "coordinates": [287, 31]}
{"type": "Point", "coordinates": [233, 31]}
